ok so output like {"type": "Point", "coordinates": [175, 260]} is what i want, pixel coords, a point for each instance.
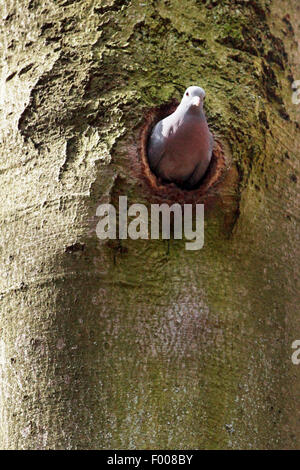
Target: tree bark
{"type": "Point", "coordinates": [141, 344]}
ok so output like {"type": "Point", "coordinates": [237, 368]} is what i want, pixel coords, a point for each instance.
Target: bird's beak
{"type": "Point", "coordinates": [196, 101]}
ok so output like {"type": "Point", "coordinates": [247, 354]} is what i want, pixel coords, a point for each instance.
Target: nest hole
{"type": "Point", "coordinates": [162, 191]}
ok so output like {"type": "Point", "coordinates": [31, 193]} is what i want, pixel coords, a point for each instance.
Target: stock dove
{"type": "Point", "coordinates": [180, 146]}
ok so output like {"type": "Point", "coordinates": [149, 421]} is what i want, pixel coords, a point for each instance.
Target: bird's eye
{"type": "Point", "coordinates": [187, 93]}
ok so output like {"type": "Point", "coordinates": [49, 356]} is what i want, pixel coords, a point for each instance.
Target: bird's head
{"type": "Point", "coordinates": [193, 97]}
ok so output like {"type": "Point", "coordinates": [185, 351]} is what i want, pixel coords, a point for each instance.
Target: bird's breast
{"type": "Point", "coordinates": [189, 141]}
{"type": "Point", "coordinates": [187, 147]}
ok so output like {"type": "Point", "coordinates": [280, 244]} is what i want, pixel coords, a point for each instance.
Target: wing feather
{"type": "Point", "coordinates": [156, 146]}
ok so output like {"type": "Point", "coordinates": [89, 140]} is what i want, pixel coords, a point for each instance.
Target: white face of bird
{"type": "Point", "coordinates": [193, 96]}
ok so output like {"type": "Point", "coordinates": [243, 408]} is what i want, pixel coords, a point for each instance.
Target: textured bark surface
{"type": "Point", "coordinates": [144, 344]}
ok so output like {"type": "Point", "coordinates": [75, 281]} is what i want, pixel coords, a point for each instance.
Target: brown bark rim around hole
{"type": "Point", "coordinates": [170, 192]}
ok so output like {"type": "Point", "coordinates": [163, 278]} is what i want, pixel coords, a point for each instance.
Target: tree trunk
{"type": "Point", "coordinates": [139, 344]}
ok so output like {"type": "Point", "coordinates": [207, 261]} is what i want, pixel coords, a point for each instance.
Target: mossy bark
{"type": "Point", "coordinates": [142, 344]}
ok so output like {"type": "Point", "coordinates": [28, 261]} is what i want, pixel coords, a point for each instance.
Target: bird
{"type": "Point", "coordinates": [180, 146]}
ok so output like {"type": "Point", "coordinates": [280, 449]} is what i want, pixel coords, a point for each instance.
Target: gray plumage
{"type": "Point", "coordinates": [180, 146]}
